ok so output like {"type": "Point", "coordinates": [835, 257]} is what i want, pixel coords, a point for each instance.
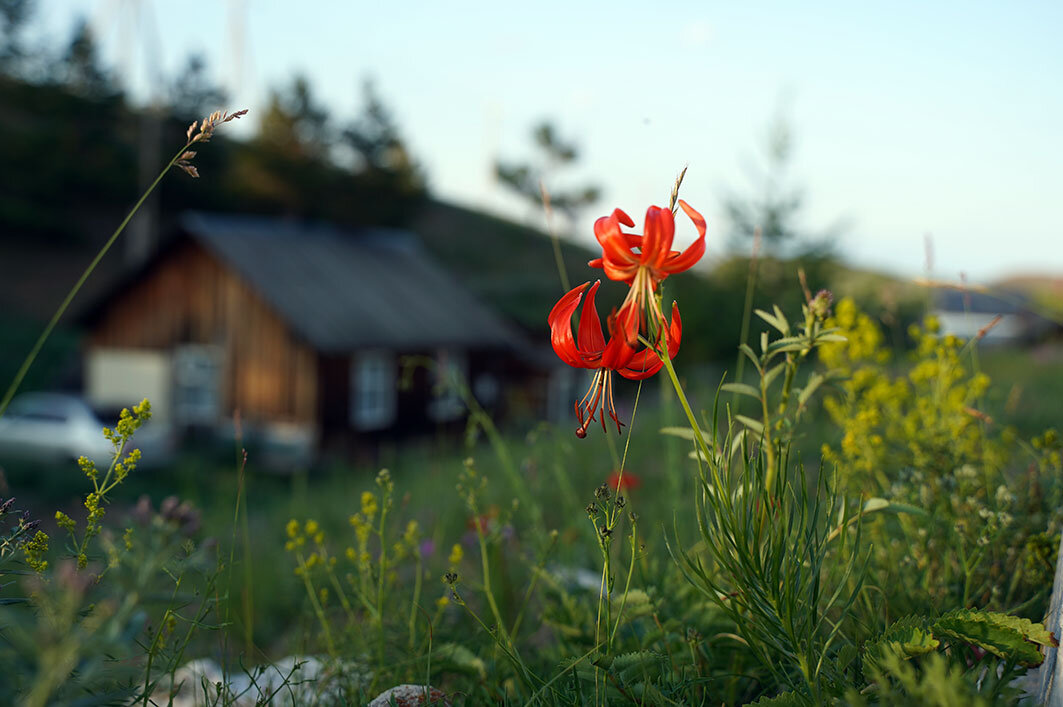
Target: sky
{"type": "Point", "coordinates": [911, 120]}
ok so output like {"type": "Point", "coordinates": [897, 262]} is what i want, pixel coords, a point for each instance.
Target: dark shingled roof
{"type": "Point", "coordinates": [345, 290]}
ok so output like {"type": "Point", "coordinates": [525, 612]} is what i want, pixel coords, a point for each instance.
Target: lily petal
{"type": "Point", "coordinates": [560, 321]}
{"type": "Point", "coordinates": [693, 253]}
{"type": "Point", "coordinates": [657, 239]}
{"type": "Point", "coordinates": [590, 340]}
{"type": "Point", "coordinates": [646, 362]}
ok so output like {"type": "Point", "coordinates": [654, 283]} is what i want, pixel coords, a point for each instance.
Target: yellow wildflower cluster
{"type": "Point", "coordinates": [36, 550]}
{"type": "Point", "coordinates": [925, 419]}
{"type": "Point", "coordinates": [915, 435]}
{"type": "Point", "coordinates": [299, 537]}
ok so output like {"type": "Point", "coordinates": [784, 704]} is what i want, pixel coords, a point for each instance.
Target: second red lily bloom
{"type": "Point", "coordinates": [589, 349]}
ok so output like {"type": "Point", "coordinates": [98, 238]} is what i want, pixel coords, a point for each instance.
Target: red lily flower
{"type": "Point", "coordinates": [654, 261]}
{"type": "Point", "coordinates": [622, 263]}
{"type": "Point", "coordinates": [627, 480]}
{"type": "Point", "coordinates": [590, 350]}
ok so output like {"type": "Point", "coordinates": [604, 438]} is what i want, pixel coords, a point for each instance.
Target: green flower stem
{"type": "Point", "coordinates": [627, 584]}
{"type": "Point", "coordinates": [318, 610]}
{"type": "Point", "coordinates": [416, 599]}
{"type": "Point", "coordinates": [32, 356]}
{"type": "Point", "coordinates": [769, 446]}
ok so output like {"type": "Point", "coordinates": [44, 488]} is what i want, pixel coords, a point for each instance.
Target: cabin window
{"type": "Point", "coordinates": [373, 391]}
{"type": "Point", "coordinates": [196, 390]}
{"type": "Point", "coordinates": [450, 372]}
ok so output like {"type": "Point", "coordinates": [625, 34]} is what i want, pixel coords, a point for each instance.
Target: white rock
{"type": "Point", "coordinates": [410, 696]}
{"type": "Point", "coordinates": [291, 681]}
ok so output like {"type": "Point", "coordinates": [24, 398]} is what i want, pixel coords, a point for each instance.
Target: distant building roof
{"type": "Point", "coordinates": [343, 290]}
{"type": "Point", "coordinates": [956, 300]}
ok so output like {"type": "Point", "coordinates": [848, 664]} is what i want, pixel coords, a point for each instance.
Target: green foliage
{"type": "Point", "coordinates": [1009, 637]}
{"type": "Point", "coordinates": [785, 699]}
{"type": "Point", "coordinates": [907, 637]}
{"type": "Point", "coordinates": [937, 682]}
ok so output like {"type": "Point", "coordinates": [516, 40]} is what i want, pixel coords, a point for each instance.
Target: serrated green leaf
{"type": "Point", "coordinates": [640, 665]}
{"type": "Point", "coordinates": [786, 699]}
{"type": "Point", "coordinates": [646, 694]}
{"type": "Point", "coordinates": [832, 337]}
{"type": "Point", "coordinates": [752, 424]}
{"type": "Point", "coordinates": [907, 638]}
{"type": "Point", "coordinates": [741, 389]}
{"type": "Point", "coordinates": [1008, 637]}
{"type": "Point", "coordinates": [634, 598]}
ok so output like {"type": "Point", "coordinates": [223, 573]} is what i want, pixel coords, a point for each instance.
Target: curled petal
{"type": "Point", "coordinates": [623, 218]}
{"type": "Point", "coordinates": [590, 340]}
{"type": "Point", "coordinates": [647, 362]}
{"type": "Point", "coordinates": [560, 320]}
{"type": "Point", "coordinates": [657, 240]}
{"type": "Point", "coordinates": [616, 252]}
{"type": "Point", "coordinates": [607, 227]}
{"type": "Point", "coordinates": [682, 261]}
{"type": "Point", "coordinates": [619, 273]}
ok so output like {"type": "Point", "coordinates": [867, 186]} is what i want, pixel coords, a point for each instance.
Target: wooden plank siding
{"type": "Point", "coordinates": [191, 297]}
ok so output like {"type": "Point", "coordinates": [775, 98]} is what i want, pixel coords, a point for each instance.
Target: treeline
{"type": "Point", "coordinates": [72, 137]}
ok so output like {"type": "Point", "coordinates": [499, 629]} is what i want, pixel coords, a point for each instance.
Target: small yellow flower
{"type": "Point", "coordinates": [369, 504]}
{"type": "Point", "coordinates": [456, 555]}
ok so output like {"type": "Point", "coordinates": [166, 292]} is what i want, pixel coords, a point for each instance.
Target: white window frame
{"type": "Point", "coordinates": [373, 390]}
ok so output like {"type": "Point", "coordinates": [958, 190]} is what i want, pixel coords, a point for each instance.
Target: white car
{"type": "Point", "coordinates": [56, 427]}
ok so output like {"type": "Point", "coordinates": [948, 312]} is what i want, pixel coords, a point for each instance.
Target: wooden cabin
{"type": "Point", "coordinates": [300, 332]}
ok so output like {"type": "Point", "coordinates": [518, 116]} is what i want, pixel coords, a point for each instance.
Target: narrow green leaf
{"type": "Point", "coordinates": [686, 433]}
{"type": "Point", "coordinates": [741, 389]}
{"type": "Point", "coordinates": [744, 348]}
{"type": "Point", "coordinates": [782, 318]}
{"type": "Point", "coordinates": [814, 382]}
{"type": "Point", "coordinates": [752, 424]}
{"type": "Point", "coordinates": [778, 323]}
{"type": "Point", "coordinates": [773, 373]}
{"type": "Point", "coordinates": [779, 347]}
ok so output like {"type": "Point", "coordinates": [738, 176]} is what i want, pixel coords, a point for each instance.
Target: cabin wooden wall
{"type": "Point", "coordinates": [190, 297]}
